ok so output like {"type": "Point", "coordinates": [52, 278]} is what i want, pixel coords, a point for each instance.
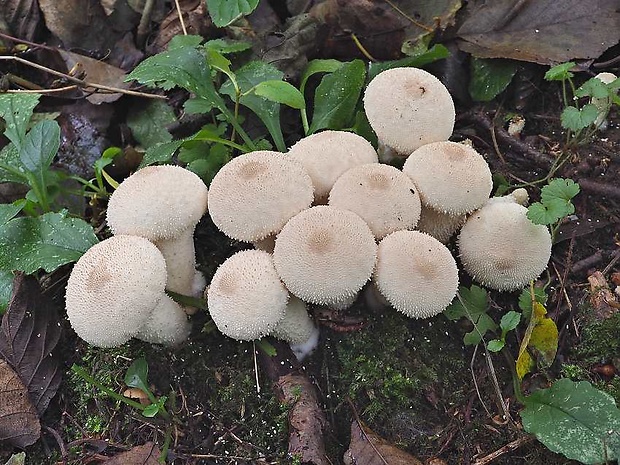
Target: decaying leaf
{"type": "Point", "coordinates": [22, 17]}
{"type": "Point", "coordinates": [542, 31]}
{"type": "Point", "coordinates": [368, 448]}
{"type": "Point", "coordinates": [29, 333]}
{"type": "Point", "coordinates": [604, 302]}
{"type": "Point", "coordinates": [146, 454]}
{"type": "Point", "coordinates": [19, 422]}
{"type": "Point", "coordinates": [540, 342]}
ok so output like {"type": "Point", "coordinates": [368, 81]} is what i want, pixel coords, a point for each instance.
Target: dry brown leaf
{"type": "Point", "coordinates": [146, 454]}
{"type": "Point", "coordinates": [19, 422]}
{"type": "Point", "coordinates": [22, 16]}
{"type": "Point", "coordinates": [368, 448]}
{"type": "Point", "coordinates": [603, 301]}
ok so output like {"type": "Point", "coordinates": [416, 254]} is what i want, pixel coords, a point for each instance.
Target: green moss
{"type": "Point", "coordinates": [600, 341]}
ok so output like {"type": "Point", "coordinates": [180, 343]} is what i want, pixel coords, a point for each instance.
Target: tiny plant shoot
{"type": "Point", "coordinates": [555, 204]}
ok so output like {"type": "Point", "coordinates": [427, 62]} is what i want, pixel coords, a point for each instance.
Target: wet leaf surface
{"type": "Point", "coordinates": [146, 454]}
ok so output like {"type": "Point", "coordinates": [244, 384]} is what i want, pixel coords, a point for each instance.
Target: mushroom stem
{"type": "Point", "coordinates": [180, 258]}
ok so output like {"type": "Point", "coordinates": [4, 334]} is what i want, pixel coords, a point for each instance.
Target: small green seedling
{"type": "Point", "coordinates": [555, 204]}
{"type": "Point", "coordinates": [508, 322]}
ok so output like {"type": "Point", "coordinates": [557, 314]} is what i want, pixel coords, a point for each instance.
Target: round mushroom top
{"type": "Point", "coordinates": [296, 327]}
{"type": "Point", "coordinates": [452, 178]}
{"type": "Point", "coordinates": [408, 108]}
{"type": "Point", "coordinates": [246, 298]}
{"type": "Point", "coordinates": [381, 195]}
{"type": "Point", "coordinates": [441, 226]}
{"type": "Point", "coordinates": [416, 273]}
{"type": "Point", "coordinates": [157, 202]}
{"type": "Point", "coordinates": [254, 195]}
{"type": "Point", "coordinates": [328, 154]}
{"type": "Point", "coordinates": [501, 248]}
{"type": "Point", "coordinates": [113, 289]}
{"type": "Point", "coordinates": [325, 255]}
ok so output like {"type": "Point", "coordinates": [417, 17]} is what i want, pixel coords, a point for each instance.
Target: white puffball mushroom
{"type": "Point", "coordinates": [255, 194]}
{"type": "Point", "coordinates": [416, 273]}
{"type": "Point", "coordinates": [501, 248]}
{"type": "Point", "coordinates": [603, 103]}
{"type": "Point", "coordinates": [441, 226]}
{"type": "Point", "coordinates": [166, 325]}
{"type": "Point", "coordinates": [451, 178]}
{"type": "Point", "coordinates": [296, 327]}
{"type": "Point", "coordinates": [381, 195]}
{"type": "Point", "coordinates": [328, 154]}
{"type": "Point", "coordinates": [408, 108]}
{"type": "Point", "coordinates": [246, 298]}
{"type": "Point", "coordinates": [162, 204]}
{"type": "Point", "coordinates": [325, 255]}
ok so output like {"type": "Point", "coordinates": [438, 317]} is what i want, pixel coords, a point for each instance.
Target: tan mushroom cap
{"type": "Point", "coordinates": [246, 298]}
{"type": "Point", "coordinates": [381, 195]}
{"type": "Point", "coordinates": [441, 226]}
{"type": "Point", "coordinates": [157, 202]}
{"type": "Point", "coordinates": [501, 248]}
{"type": "Point", "coordinates": [255, 194]}
{"type": "Point", "coordinates": [113, 289]}
{"type": "Point", "coordinates": [328, 154]}
{"type": "Point", "coordinates": [325, 255]}
{"type": "Point", "coordinates": [416, 273]}
{"type": "Point", "coordinates": [452, 178]}
{"type": "Point", "coordinates": [408, 108]}
{"type": "Point", "coordinates": [296, 327]}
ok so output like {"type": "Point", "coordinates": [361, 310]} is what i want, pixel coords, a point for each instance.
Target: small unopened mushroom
{"type": "Point", "coordinates": [166, 325]}
{"type": "Point", "coordinates": [246, 298]}
{"type": "Point", "coordinates": [442, 226]}
{"type": "Point", "coordinates": [255, 194]}
{"type": "Point", "coordinates": [296, 327]}
{"type": "Point", "coordinates": [452, 178]}
{"type": "Point", "coordinates": [501, 248]}
{"type": "Point", "coordinates": [162, 204]}
{"type": "Point", "coordinates": [325, 255]}
{"type": "Point", "coordinates": [408, 108]}
{"type": "Point", "coordinates": [381, 195]}
{"type": "Point", "coordinates": [416, 273]}
{"type": "Point", "coordinates": [328, 154]}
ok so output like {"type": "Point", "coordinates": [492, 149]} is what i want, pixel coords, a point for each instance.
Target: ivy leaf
{"type": "Point", "coordinates": [16, 110]}
{"type": "Point", "coordinates": [226, 12]}
{"type": "Point", "coordinates": [577, 119]}
{"type": "Point", "coordinates": [560, 72]}
{"type": "Point", "coordinates": [280, 92]}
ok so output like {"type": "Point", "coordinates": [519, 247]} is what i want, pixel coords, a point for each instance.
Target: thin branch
{"type": "Point", "coordinates": [180, 13]}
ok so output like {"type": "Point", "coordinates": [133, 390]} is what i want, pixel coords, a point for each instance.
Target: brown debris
{"type": "Point", "coordinates": [146, 454]}
{"type": "Point", "coordinates": [602, 299]}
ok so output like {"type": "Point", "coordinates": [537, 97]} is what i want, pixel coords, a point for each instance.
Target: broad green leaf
{"type": "Point", "coordinates": [48, 241]}
{"type": "Point", "coordinates": [150, 410]}
{"type": "Point", "coordinates": [318, 66]}
{"type": "Point", "coordinates": [220, 62]}
{"type": "Point", "coordinates": [160, 153]}
{"type": "Point", "coordinates": [593, 88]}
{"type": "Point", "coordinates": [16, 110]}
{"type": "Point", "coordinates": [525, 300]}
{"type": "Point", "coordinates": [559, 188]}
{"type": "Point", "coordinates": [197, 105]}
{"type": "Point", "coordinates": [9, 210]}
{"type": "Point", "coordinates": [362, 127]}
{"type": "Point", "coordinates": [490, 77]}
{"type": "Point", "coordinates": [39, 147]}
{"type": "Point", "coordinates": [148, 123]}
{"type": "Point", "coordinates": [473, 305]}
{"type": "Point", "coordinates": [495, 345]}
{"type": "Point", "coordinates": [226, 46]}
{"type": "Point", "coordinates": [226, 12]}
{"type": "Point", "coordinates": [11, 169]}
{"type": "Point", "coordinates": [574, 419]}
{"type": "Point", "coordinates": [537, 213]}
{"type": "Point", "coordinates": [180, 41]}
{"type": "Point", "coordinates": [577, 119]}
{"type": "Point", "coordinates": [137, 375]}
{"type": "Point", "coordinates": [436, 52]}
{"type": "Point", "coordinates": [560, 72]}
{"type": "Point", "coordinates": [280, 92]}
{"type": "Point", "coordinates": [6, 288]}
{"type": "Point", "coordinates": [336, 97]}
{"type": "Point", "coordinates": [510, 321]}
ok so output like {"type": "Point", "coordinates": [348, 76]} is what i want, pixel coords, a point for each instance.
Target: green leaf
{"type": "Point", "coordinates": [226, 46]}
{"type": "Point", "coordinates": [160, 153]}
{"type": "Point", "coordinates": [9, 210]}
{"type": "Point", "coordinates": [537, 213]}
{"type": "Point", "coordinates": [483, 323]}
{"type": "Point", "coordinates": [510, 321]}
{"type": "Point", "coordinates": [16, 110]}
{"type": "Point", "coordinates": [318, 66]}
{"type": "Point", "coordinates": [473, 305]}
{"type": "Point", "coordinates": [336, 97]}
{"type": "Point", "coordinates": [490, 77]}
{"type": "Point", "coordinates": [150, 410]}
{"type": "Point", "coordinates": [593, 88]}
{"type": "Point", "coordinates": [280, 92]}
{"type": "Point", "coordinates": [555, 202]}
{"type": "Point", "coordinates": [577, 119]}
{"type": "Point", "coordinates": [560, 72]}
{"type": "Point", "coordinates": [148, 123]}
{"type": "Point", "coordinates": [48, 241]}
{"type": "Point", "coordinates": [362, 127]}
{"type": "Point", "coordinates": [197, 105]}
{"type": "Point", "coordinates": [525, 300]}
{"type": "Point", "coordinates": [11, 169]}
{"type": "Point", "coordinates": [40, 147]}
{"type": "Point", "coordinates": [559, 189]}
{"type": "Point", "coordinates": [6, 288]}
{"type": "Point", "coordinates": [225, 12]}
{"type": "Point", "coordinates": [137, 375]}
{"type": "Point", "coordinates": [180, 41]}
{"type": "Point", "coordinates": [495, 345]}
{"type": "Point", "coordinates": [574, 419]}
{"type": "Point", "coordinates": [435, 53]}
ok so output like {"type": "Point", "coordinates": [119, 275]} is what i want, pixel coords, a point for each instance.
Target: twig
{"type": "Point", "coordinates": [588, 262]}
{"type": "Point", "coordinates": [41, 91]}
{"type": "Point", "coordinates": [476, 387]}
{"type": "Point", "coordinates": [361, 48]}
{"type": "Point", "coordinates": [61, 444]}
{"type": "Point", "coordinates": [145, 19]}
{"type": "Point", "coordinates": [255, 368]}
{"type": "Point", "coordinates": [181, 20]}
{"type": "Point", "coordinates": [409, 18]}
{"type": "Point", "coordinates": [514, 445]}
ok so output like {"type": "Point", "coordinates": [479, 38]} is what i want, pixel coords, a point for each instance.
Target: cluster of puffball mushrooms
{"type": "Point", "coordinates": [325, 219]}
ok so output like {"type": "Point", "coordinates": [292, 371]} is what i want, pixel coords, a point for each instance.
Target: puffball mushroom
{"type": "Point", "coordinates": [328, 154]}
{"type": "Point", "coordinates": [167, 324]}
{"type": "Point", "coordinates": [162, 204]}
{"type": "Point", "coordinates": [416, 273]}
{"type": "Point", "coordinates": [246, 298]}
{"type": "Point", "coordinates": [296, 327]}
{"type": "Point", "coordinates": [255, 194]}
{"type": "Point", "coordinates": [114, 288]}
{"type": "Point", "coordinates": [441, 226]}
{"type": "Point", "coordinates": [603, 104]}
{"type": "Point", "coordinates": [501, 248]}
{"type": "Point", "coordinates": [325, 255]}
{"type": "Point", "coordinates": [408, 108]}
{"type": "Point", "coordinates": [381, 195]}
{"type": "Point", "coordinates": [452, 178]}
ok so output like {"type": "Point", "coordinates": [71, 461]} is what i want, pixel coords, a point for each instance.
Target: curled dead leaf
{"type": "Point", "coordinates": [146, 454]}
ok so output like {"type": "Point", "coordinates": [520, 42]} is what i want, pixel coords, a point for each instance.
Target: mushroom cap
{"type": "Point", "coordinates": [452, 178]}
{"type": "Point", "coordinates": [501, 248]}
{"type": "Point", "coordinates": [113, 289]}
{"type": "Point", "coordinates": [408, 108]}
{"type": "Point", "coordinates": [328, 154]}
{"type": "Point", "coordinates": [439, 225]}
{"type": "Point", "coordinates": [381, 195]}
{"type": "Point", "coordinates": [255, 194]}
{"type": "Point", "coordinates": [296, 327]}
{"type": "Point", "coordinates": [157, 202]}
{"type": "Point", "coordinates": [246, 298]}
{"type": "Point", "coordinates": [325, 255]}
{"type": "Point", "coordinates": [416, 273]}
{"type": "Point", "coordinates": [167, 324]}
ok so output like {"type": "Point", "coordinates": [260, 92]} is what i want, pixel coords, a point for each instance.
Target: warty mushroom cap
{"type": "Point", "coordinates": [246, 298]}
{"type": "Point", "coordinates": [167, 324]}
{"type": "Point", "coordinates": [255, 194]}
{"type": "Point", "coordinates": [441, 226]}
{"type": "Point", "coordinates": [452, 178]}
{"type": "Point", "coordinates": [325, 255]}
{"type": "Point", "coordinates": [408, 108]}
{"type": "Point", "coordinates": [381, 195]}
{"type": "Point", "coordinates": [501, 248]}
{"type": "Point", "coordinates": [416, 273]}
{"type": "Point", "coordinates": [296, 327]}
{"type": "Point", "coordinates": [328, 154]}
{"type": "Point", "coordinates": [113, 289]}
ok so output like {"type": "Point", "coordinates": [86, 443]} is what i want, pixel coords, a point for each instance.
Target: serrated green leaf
{"type": "Point", "coordinates": [336, 97]}
{"type": "Point", "coordinates": [537, 213]}
{"type": "Point", "coordinates": [6, 288]}
{"type": "Point", "coordinates": [39, 147]}
{"type": "Point", "coordinates": [280, 92]}
{"type": "Point", "coordinates": [197, 105]}
{"type": "Point", "coordinates": [226, 46]}
{"type": "Point", "coordinates": [574, 419]}
{"type": "Point", "coordinates": [16, 111]}
{"type": "Point", "coordinates": [435, 53]}
{"type": "Point", "coordinates": [226, 12]}
{"type": "Point", "coordinates": [48, 241]}
{"type": "Point", "coordinates": [510, 321]}
{"type": "Point", "coordinates": [473, 305]}
{"type": "Point", "coordinates": [160, 153]}
{"type": "Point", "coordinates": [578, 119]}
{"type": "Point", "coordinates": [560, 72]}
{"type": "Point", "coordinates": [495, 345]}
{"type": "Point", "coordinates": [559, 188]}
{"type": "Point", "coordinates": [490, 77]}
{"type": "Point", "coordinates": [148, 123]}
{"type": "Point", "coordinates": [593, 88]}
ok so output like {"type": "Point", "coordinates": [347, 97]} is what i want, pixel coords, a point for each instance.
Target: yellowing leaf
{"type": "Point", "coordinates": [544, 342]}
{"type": "Point", "coordinates": [525, 364]}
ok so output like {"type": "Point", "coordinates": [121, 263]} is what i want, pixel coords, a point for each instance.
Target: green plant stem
{"type": "Point", "coordinates": [166, 446]}
{"type": "Point", "coordinates": [40, 192]}
{"type": "Point", "coordinates": [230, 117]}
{"type": "Point", "coordinates": [78, 370]}
{"type": "Point", "coordinates": [304, 121]}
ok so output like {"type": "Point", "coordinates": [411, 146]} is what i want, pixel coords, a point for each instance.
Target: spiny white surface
{"type": "Point", "coordinates": [441, 226]}
{"type": "Point", "coordinates": [296, 327]}
{"type": "Point", "coordinates": [167, 324]}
